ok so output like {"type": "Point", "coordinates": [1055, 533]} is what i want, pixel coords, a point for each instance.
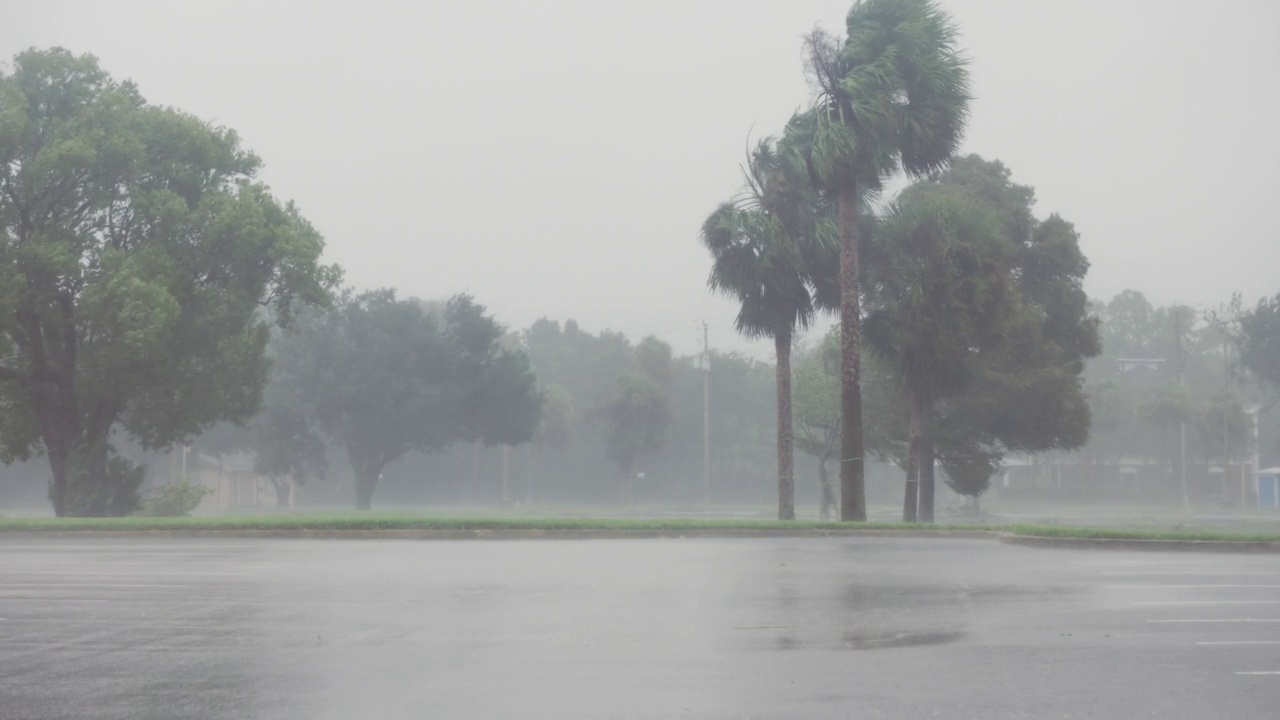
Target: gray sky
{"type": "Point", "coordinates": [557, 158]}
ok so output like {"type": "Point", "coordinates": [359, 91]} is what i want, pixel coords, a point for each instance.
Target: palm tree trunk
{"type": "Point", "coordinates": [786, 457]}
{"type": "Point", "coordinates": [853, 495]}
{"type": "Point", "coordinates": [914, 440]}
{"type": "Point", "coordinates": [928, 454]}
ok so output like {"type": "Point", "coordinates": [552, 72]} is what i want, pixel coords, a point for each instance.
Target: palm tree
{"type": "Point", "coordinates": [942, 270]}
{"type": "Point", "coordinates": [764, 248]}
{"type": "Point", "coordinates": [893, 94]}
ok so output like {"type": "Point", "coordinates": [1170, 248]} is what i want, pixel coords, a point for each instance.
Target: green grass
{"type": "Point", "coordinates": [390, 521]}
{"type": "Point", "coordinates": [1068, 531]}
{"type": "Point", "coordinates": [375, 521]}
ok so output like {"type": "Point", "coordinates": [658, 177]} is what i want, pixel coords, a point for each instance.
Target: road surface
{"type": "Point", "coordinates": [699, 628]}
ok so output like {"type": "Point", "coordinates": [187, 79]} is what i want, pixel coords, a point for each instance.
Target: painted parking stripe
{"type": "Point", "coordinates": [1191, 587]}
{"type": "Point", "coordinates": [1199, 573]}
{"type": "Point", "coordinates": [1201, 603]}
{"type": "Point", "coordinates": [1260, 672]}
{"type": "Point", "coordinates": [1213, 643]}
{"type": "Point", "coordinates": [1217, 620]}
{"type": "Point", "coordinates": [96, 586]}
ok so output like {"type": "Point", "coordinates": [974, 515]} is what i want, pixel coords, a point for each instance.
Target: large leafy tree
{"type": "Point", "coordinates": [635, 418]}
{"type": "Point", "coordinates": [892, 94]}
{"type": "Point", "coordinates": [136, 254]}
{"type": "Point", "coordinates": [941, 269]}
{"type": "Point", "coordinates": [768, 251]}
{"type": "Point", "coordinates": [387, 377]}
{"type": "Point", "coordinates": [1260, 340]}
{"type": "Point", "coordinates": [1027, 394]}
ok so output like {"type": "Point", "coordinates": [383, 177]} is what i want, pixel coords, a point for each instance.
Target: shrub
{"type": "Point", "coordinates": [175, 499]}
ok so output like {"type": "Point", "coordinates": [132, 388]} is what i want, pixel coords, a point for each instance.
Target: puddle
{"type": "Point", "coordinates": [883, 640]}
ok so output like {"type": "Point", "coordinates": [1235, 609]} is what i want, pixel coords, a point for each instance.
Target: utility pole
{"type": "Point", "coordinates": [1226, 438]}
{"type": "Point", "coordinates": [1182, 423]}
{"type": "Point", "coordinates": [706, 415]}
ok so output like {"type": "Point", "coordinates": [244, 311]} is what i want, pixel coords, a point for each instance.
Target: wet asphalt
{"type": "Point", "coordinates": [698, 628]}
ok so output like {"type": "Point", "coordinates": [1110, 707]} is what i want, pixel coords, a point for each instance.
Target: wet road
{"type": "Point", "coordinates": [759, 628]}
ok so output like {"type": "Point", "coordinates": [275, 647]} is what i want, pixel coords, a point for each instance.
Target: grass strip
{"type": "Point", "coordinates": [400, 521]}
{"type": "Point", "coordinates": [388, 521]}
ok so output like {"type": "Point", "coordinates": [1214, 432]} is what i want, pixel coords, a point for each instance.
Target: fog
{"type": "Point", "coordinates": [444, 418]}
{"type": "Point", "coordinates": [556, 159]}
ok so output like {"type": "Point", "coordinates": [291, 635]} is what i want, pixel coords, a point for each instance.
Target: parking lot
{"type": "Point", "coordinates": [734, 628]}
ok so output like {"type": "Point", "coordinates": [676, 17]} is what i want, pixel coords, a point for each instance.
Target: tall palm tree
{"type": "Point", "coordinates": [894, 93]}
{"type": "Point", "coordinates": [765, 247]}
{"type": "Point", "coordinates": [942, 272]}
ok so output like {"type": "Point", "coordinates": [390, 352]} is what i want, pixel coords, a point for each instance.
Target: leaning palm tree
{"type": "Point", "coordinates": [764, 247]}
{"type": "Point", "coordinates": [893, 94]}
{"type": "Point", "coordinates": [938, 295]}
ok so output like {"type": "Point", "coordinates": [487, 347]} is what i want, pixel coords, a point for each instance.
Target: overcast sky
{"type": "Point", "coordinates": [556, 158]}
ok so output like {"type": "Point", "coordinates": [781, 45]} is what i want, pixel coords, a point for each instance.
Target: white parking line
{"type": "Point", "coordinates": [24, 598]}
{"type": "Point", "coordinates": [1208, 643]}
{"type": "Point", "coordinates": [1200, 603]}
{"type": "Point", "coordinates": [1218, 620]}
{"type": "Point", "coordinates": [58, 586]}
{"type": "Point", "coordinates": [1187, 572]}
{"type": "Point", "coordinates": [1262, 672]}
{"type": "Point", "coordinates": [121, 573]}
{"type": "Point", "coordinates": [1189, 587]}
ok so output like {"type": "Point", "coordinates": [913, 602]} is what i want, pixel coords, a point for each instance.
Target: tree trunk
{"type": "Point", "coordinates": [914, 441]}
{"type": "Point", "coordinates": [58, 453]}
{"type": "Point", "coordinates": [628, 484]}
{"type": "Point", "coordinates": [928, 454]}
{"type": "Point", "coordinates": [853, 492]}
{"type": "Point", "coordinates": [506, 475]}
{"type": "Point", "coordinates": [365, 486]}
{"type": "Point", "coordinates": [60, 431]}
{"type": "Point", "coordinates": [528, 477]}
{"type": "Point", "coordinates": [281, 486]}
{"type": "Point", "coordinates": [469, 491]}
{"type": "Point", "coordinates": [786, 458]}
{"type": "Point", "coordinates": [367, 472]}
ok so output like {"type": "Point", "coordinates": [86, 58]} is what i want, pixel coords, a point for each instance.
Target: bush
{"type": "Point", "coordinates": [175, 499]}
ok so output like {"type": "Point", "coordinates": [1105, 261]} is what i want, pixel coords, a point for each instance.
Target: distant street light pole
{"type": "Point", "coordinates": [706, 415]}
{"type": "Point", "coordinates": [1182, 421]}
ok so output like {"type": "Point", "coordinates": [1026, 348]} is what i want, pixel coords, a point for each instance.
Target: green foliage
{"type": "Point", "coordinates": [636, 416]}
{"type": "Point", "coordinates": [941, 270]}
{"type": "Point", "coordinates": [770, 248]}
{"type": "Point", "coordinates": [1138, 410]}
{"type": "Point", "coordinates": [817, 395]}
{"type": "Point", "coordinates": [175, 499]}
{"type": "Point", "coordinates": [1260, 341]}
{"type": "Point", "coordinates": [136, 253]}
{"type": "Point", "coordinates": [816, 391]}
{"type": "Point", "coordinates": [555, 427]}
{"type": "Point", "coordinates": [894, 93]}
{"type": "Point", "coordinates": [384, 377]}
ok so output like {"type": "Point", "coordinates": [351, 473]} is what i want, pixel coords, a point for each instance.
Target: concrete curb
{"type": "Point", "coordinates": [1074, 543]}
{"type": "Point", "coordinates": [497, 534]}
{"type": "Point", "coordinates": [1219, 546]}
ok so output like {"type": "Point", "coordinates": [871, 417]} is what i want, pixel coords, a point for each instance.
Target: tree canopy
{"type": "Point", "coordinates": [139, 264]}
{"type": "Point", "coordinates": [386, 377]}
